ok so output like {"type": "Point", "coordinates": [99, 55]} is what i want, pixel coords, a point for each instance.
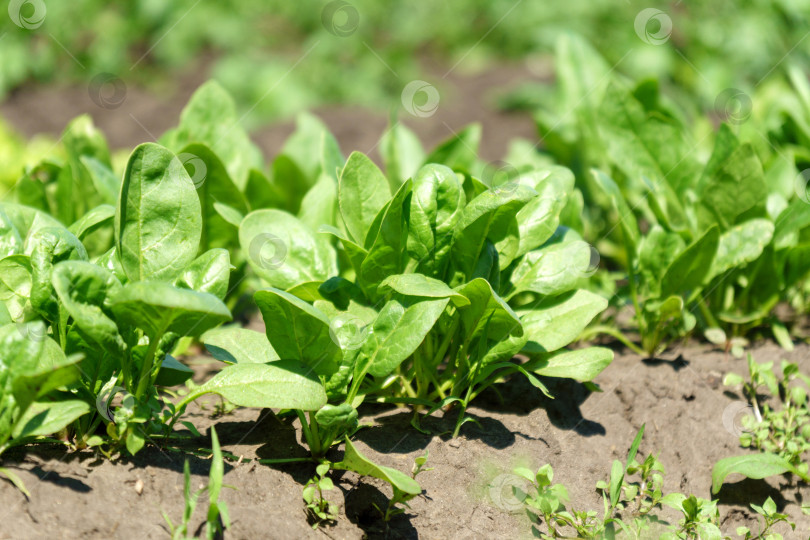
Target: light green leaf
{"type": "Point", "coordinates": [691, 268]}
{"type": "Point", "coordinates": [46, 417]}
{"type": "Point", "coordinates": [210, 273]}
{"type": "Point", "coordinates": [386, 242]}
{"type": "Point", "coordinates": [283, 384]}
{"type": "Point", "coordinates": [490, 216]}
{"type": "Point", "coordinates": [158, 308]}
{"type": "Point", "coordinates": [581, 365]}
{"type": "Point", "coordinates": [234, 345]}
{"type": "Point", "coordinates": [284, 251]}
{"type": "Point", "coordinates": [158, 221]}
{"type": "Point", "coordinates": [396, 333]}
{"type": "Point", "coordinates": [437, 204]}
{"type": "Point", "coordinates": [92, 220]}
{"type": "Point", "coordinates": [756, 466]}
{"type": "Point", "coordinates": [460, 151]}
{"type": "Point", "coordinates": [421, 285]}
{"type": "Point", "coordinates": [50, 246]}
{"type": "Point", "coordinates": [84, 290]}
{"type": "Point", "coordinates": [15, 285]}
{"type": "Point", "coordinates": [741, 244]}
{"type": "Point", "coordinates": [214, 186]}
{"type": "Point", "coordinates": [551, 270]}
{"type": "Point", "coordinates": [487, 311]}
{"type": "Point", "coordinates": [401, 152]}
{"type": "Point", "coordinates": [551, 327]}
{"type": "Point", "coordinates": [353, 460]}
{"type": "Point", "coordinates": [298, 330]}
{"type": "Point", "coordinates": [210, 118]}
{"type": "Point", "coordinates": [538, 220]}
{"type": "Point", "coordinates": [362, 192]}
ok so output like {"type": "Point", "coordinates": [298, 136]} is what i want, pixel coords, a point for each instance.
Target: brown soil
{"type": "Point", "coordinates": [680, 399]}
{"type": "Point", "coordinates": [145, 114]}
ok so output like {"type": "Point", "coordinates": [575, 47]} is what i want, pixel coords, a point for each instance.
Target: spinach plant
{"type": "Point", "coordinates": [706, 224]}
{"type": "Point", "coordinates": [125, 310]}
{"type": "Point", "coordinates": [442, 283]}
{"type": "Point", "coordinates": [34, 378]}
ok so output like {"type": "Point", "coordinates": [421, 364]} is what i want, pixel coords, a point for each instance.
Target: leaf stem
{"type": "Point", "coordinates": [610, 331]}
{"type": "Point", "coordinates": [146, 368]}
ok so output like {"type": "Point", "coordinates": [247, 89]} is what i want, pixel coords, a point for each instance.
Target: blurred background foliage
{"type": "Point", "coordinates": [365, 51]}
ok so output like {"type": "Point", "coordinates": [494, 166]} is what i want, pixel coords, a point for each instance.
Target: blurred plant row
{"type": "Point", "coordinates": [362, 51]}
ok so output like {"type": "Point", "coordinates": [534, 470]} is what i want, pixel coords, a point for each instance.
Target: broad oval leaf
{"type": "Point", "coordinates": [397, 332]}
{"type": "Point", "coordinates": [487, 311]}
{"type": "Point", "coordinates": [551, 270]}
{"type": "Point", "coordinates": [741, 244]}
{"type": "Point", "coordinates": [46, 417]}
{"type": "Point", "coordinates": [84, 290]}
{"type": "Point", "coordinates": [437, 204]}
{"type": "Point", "coordinates": [50, 246]}
{"type": "Point", "coordinates": [158, 221]}
{"type": "Point", "coordinates": [284, 251]}
{"type": "Point", "coordinates": [362, 192]}
{"type": "Point", "coordinates": [210, 118]}
{"type": "Point", "coordinates": [581, 365]}
{"type": "Point", "coordinates": [386, 242]}
{"type": "Point", "coordinates": [15, 285]}
{"type": "Point", "coordinates": [210, 273]}
{"type": "Point", "coordinates": [423, 286]}
{"type": "Point", "coordinates": [214, 186]}
{"type": "Point", "coordinates": [234, 345]}
{"type": "Point", "coordinates": [158, 308]}
{"type": "Point", "coordinates": [691, 268]}
{"type": "Point", "coordinates": [538, 220]}
{"type": "Point", "coordinates": [298, 330]}
{"type": "Point", "coordinates": [283, 384]}
{"type": "Point", "coordinates": [11, 243]}
{"type": "Point", "coordinates": [92, 220]}
{"type": "Point", "coordinates": [490, 216]}
{"type": "Point", "coordinates": [25, 221]}
{"type": "Point", "coordinates": [552, 327]}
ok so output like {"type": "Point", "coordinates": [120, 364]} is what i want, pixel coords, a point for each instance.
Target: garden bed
{"type": "Point", "coordinates": [679, 397]}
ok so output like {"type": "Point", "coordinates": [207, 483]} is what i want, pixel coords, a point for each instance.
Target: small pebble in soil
{"type": "Point", "coordinates": [138, 486]}
{"type": "Point", "coordinates": [455, 443]}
